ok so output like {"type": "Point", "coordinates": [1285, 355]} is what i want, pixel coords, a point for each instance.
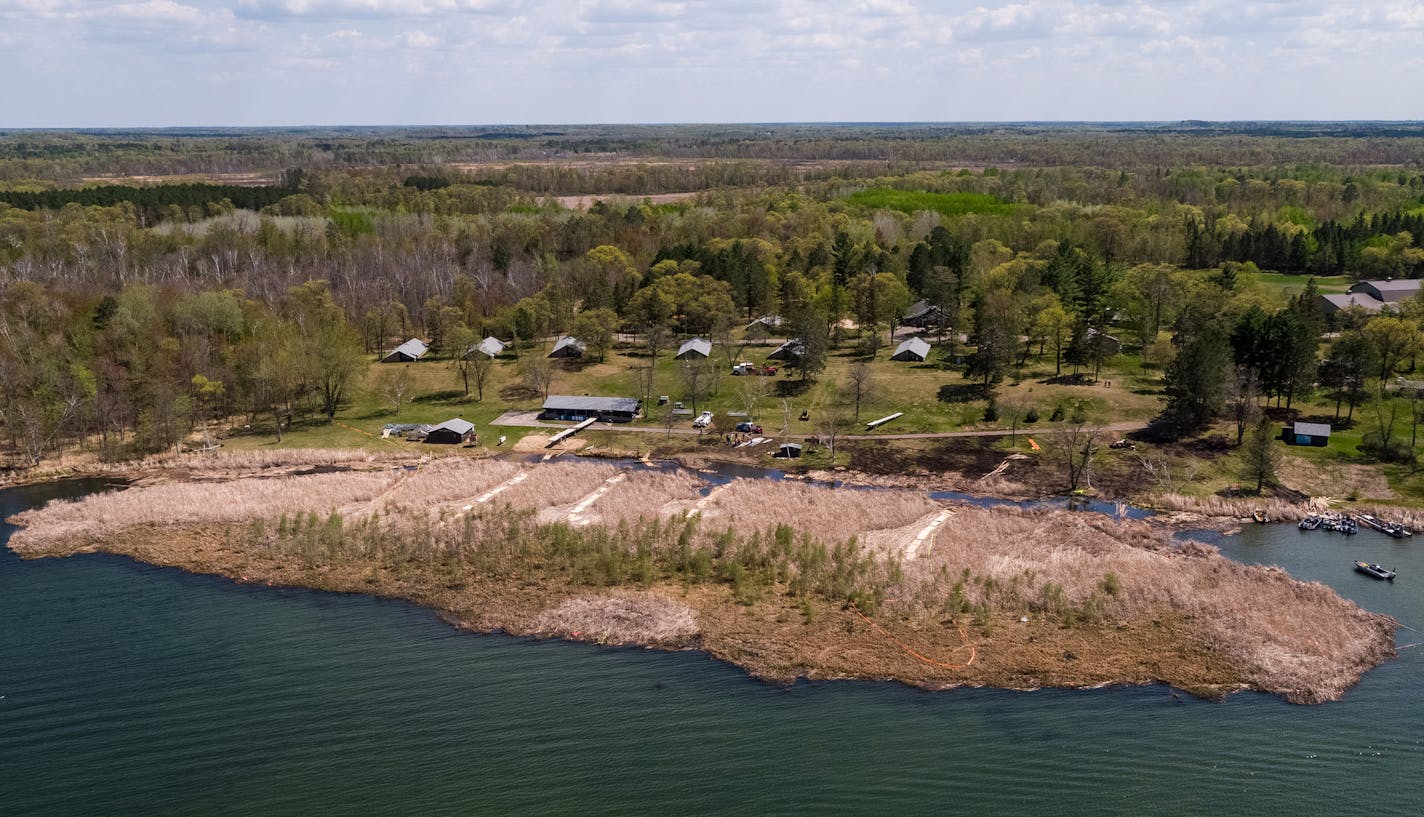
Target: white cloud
{"type": "Point", "coordinates": [670, 60]}
{"type": "Point", "coordinates": [371, 9]}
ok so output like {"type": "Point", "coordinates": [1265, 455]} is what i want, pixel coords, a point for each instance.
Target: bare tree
{"type": "Point", "coordinates": [1075, 444]}
{"type": "Point", "coordinates": [831, 424]}
{"type": "Point", "coordinates": [1169, 475]}
{"type": "Point", "coordinates": [1013, 410]}
{"type": "Point", "coordinates": [860, 385]}
{"type": "Point", "coordinates": [538, 374]}
{"type": "Point", "coordinates": [644, 379]}
{"type": "Point", "coordinates": [752, 390]}
{"type": "Point", "coordinates": [698, 380]}
{"type": "Point", "coordinates": [394, 384]}
{"type": "Point", "coordinates": [1243, 394]}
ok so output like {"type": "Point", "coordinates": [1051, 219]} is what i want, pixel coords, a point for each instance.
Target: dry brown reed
{"type": "Point", "coordinates": [449, 480]}
{"type": "Point", "coordinates": [1074, 568]}
{"type": "Point", "coordinates": [623, 618]}
{"type": "Point", "coordinates": [229, 460]}
{"type": "Point", "coordinates": [1292, 637]}
{"type": "Point", "coordinates": [832, 514]}
{"type": "Point", "coordinates": [556, 483]}
{"type": "Point", "coordinates": [644, 494]}
{"type": "Point", "coordinates": [184, 503]}
{"type": "Point", "coordinates": [1238, 507]}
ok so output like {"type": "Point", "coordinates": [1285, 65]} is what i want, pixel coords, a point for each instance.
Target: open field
{"type": "Point", "coordinates": [1019, 588]}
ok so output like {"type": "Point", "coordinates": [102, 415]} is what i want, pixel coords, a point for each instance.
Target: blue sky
{"type": "Point", "coordinates": [82, 63]}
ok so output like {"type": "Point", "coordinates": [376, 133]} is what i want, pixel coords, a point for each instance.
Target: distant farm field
{"type": "Point", "coordinates": [947, 204]}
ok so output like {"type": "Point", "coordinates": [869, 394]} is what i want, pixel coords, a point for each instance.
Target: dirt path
{"type": "Point", "coordinates": [525, 419]}
{"type": "Point", "coordinates": [912, 550]}
{"type": "Point", "coordinates": [575, 516]}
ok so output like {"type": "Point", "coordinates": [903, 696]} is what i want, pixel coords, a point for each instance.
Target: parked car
{"type": "Point", "coordinates": [703, 420]}
{"type": "Point", "coordinates": [748, 428]}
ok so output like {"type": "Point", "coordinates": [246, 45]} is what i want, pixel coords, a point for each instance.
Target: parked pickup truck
{"type": "Point", "coordinates": [752, 368]}
{"type": "Point", "coordinates": [703, 420]}
{"type": "Point", "coordinates": [749, 428]}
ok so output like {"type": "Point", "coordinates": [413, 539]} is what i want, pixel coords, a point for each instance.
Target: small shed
{"type": "Point", "coordinates": [916, 350]}
{"type": "Point", "coordinates": [408, 352]}
{"type": "Point", "coordinates": [792, 349]}
{"type": "Point", "coordinates": [452, 432]}
{"type": "Point", "coordinates": [695, 349]}
{"type": "Point", "coordinates": [577, 409]}
{"type": "Point", "coordinates": [568, 346]}
{"type": "Point", "coordinates": [489, 347]}
{"type": "Point", "coordinates": [789, 451]}
{"type": "Point", "coordinates": [1316, 434]}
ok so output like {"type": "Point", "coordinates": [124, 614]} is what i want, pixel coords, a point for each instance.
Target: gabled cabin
{"type": "Point", "coordinates": [921, 315]}
{"type": "Point", "coordinates": [791, 350]}
{"type": "Point", "coordinates": [489, 347]}
{"type": "Point", "coordinates": [452, 432]}
{"type": "Point", "coordinates": [1109, 344]}
{"type": "Point", "coordinates": [408, 352]}
{"type": "Point", "coordinates": [568, 347]}
{"type": "Point", "coordinates": [695, 349]}
{"type": "Point", "coordinates": [912, 350]}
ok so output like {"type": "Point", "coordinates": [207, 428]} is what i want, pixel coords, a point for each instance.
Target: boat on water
{"type": "Point", "coordinates": [1309, 523]}
{"type": "Point", "coordinates": [1338, 523]}
{"type": "Point", "coordinates": [1260, 515]}
{"type": "Point", "coordinates": [1374, 570]}
{"type": "Point", "coordinates": [1394, 529]}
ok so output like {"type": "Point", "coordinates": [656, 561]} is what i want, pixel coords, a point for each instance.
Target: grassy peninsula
{"type": "Point", "coordinates": [785, 579]}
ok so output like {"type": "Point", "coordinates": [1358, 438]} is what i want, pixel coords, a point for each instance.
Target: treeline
{"type": "Point", "coordinates": [1373, 245]}
{"type": "Point", "coordinates": [139, 369]}
{"type": "Point", "coordinates": [72, 156]}
{"type": "Point", "coordinates": [151, 203]}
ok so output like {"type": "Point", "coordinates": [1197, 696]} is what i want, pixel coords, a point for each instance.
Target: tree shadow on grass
{"type": "Point", "coordinates": [792, 388]}
{"type": "Point", "coordinates": [963, 392]}
{"type": "Point", "coordinates": [443, 396]}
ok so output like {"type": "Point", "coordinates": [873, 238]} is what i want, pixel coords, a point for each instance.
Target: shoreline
{"type": "Point", "coordinates": [1053, 634]}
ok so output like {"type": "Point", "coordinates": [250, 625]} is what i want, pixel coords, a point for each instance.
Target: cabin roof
{"type": "Point", "coordinates": [698, 345]}
{"type": "Point", "coordinates": [1312, 429]}
{"type": "Point", "coordinates": [566, 402]}
{"type": "Point", "coordinates": [491, 347]}
{"type": "Point", "coordinates": [1360, 299]}
{"type": "Point", "coordinates": [414, 348]}
{"type": "Point", "coordinates": [918, 308]}
{"type": "Point", "coordinates": [568, 341]}
{"type": "Point", "coordinates": [456, 425]}
{"type": "Point", "coordinates": [919, 346]}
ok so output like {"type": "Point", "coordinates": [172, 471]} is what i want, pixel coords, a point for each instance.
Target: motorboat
{"type": "Point", "coordinates": [1374, 570]}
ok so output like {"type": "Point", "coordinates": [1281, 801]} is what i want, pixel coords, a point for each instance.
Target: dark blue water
{"type": "Point", "coordinates": [134, 690]}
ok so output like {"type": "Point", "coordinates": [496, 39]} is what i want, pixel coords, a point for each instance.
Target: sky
{"type": "Point", "coordinates": [157, 63]}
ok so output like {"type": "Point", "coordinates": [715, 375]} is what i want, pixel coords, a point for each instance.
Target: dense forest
{"type": "Point", "coordinates": [132, 310]}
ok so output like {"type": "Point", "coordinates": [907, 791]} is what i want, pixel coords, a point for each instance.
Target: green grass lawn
{"type": "Point", "coordinates": [1287, 284]}
{"type": "Point", "coordinates": [932, 397]}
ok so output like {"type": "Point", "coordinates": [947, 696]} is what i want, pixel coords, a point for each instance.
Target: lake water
{"type": "Point", "coordinates": [127, 689]}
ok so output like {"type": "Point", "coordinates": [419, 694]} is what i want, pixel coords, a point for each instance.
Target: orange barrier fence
{"type": "Point", "coordinates": [973, 653]}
